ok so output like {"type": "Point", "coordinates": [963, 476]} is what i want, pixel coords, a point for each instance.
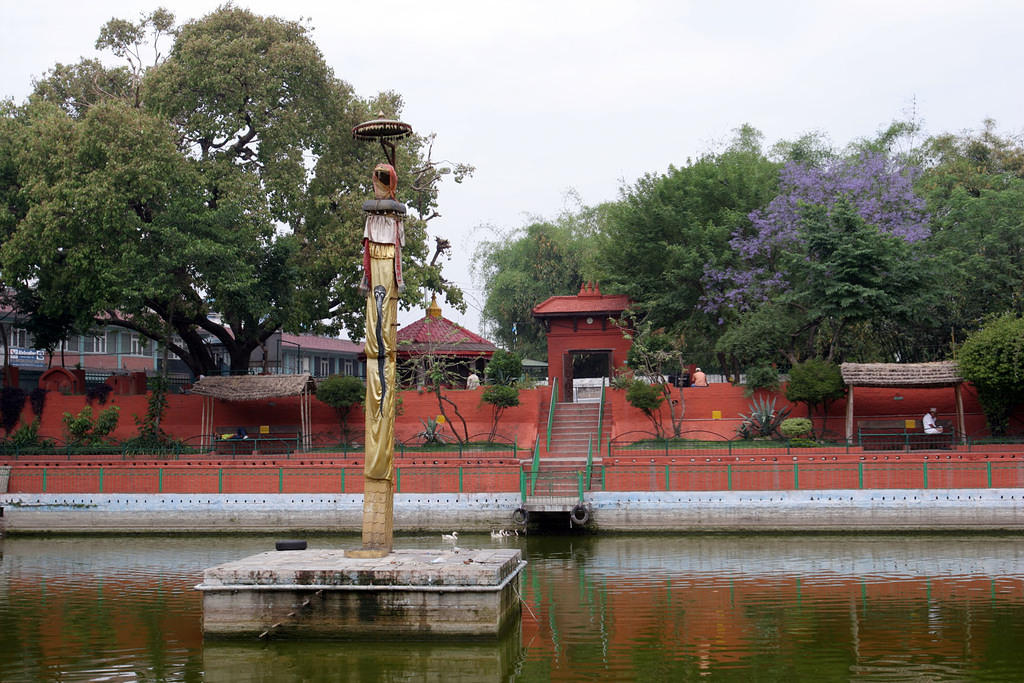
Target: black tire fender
{"type": "Point", "coordinates": [580, 514]}
{"type": "Point", "coordinates": [520, 516]}
{"type": "Point", "coordinates": [290, 545]}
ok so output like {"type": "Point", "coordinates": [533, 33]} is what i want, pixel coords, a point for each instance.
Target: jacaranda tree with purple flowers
{"type": "Point", "coordinates": [827, 222]}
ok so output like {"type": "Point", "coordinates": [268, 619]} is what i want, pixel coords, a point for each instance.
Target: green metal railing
{"type": "Point", "coordinates": [190, 480]}
{"type": "Point", "coordinates": [535, 467]}
{"type": "Point", "coordinates": [551, 408]}
{"type": "Point", "coordinates": [590, 460]}
{"type": "Point", "coordinates": [600, 417]}
{"type": "Point", "coordinates": [812, 476]}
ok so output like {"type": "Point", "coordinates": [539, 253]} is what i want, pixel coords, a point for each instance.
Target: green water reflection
{"type": "Point", "coordinates": [655, 608]}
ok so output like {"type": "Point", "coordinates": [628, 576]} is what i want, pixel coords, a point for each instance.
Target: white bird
{"type": "Point", "coordinates": [451, 538]}
{"type": "Point", "coordinates": [497, 533]}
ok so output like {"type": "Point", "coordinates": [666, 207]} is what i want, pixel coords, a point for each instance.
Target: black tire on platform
{"type": "Point", "coordinates": [580, 515]}
{"type": "Point", "coordinates": [290, 545]}
{"type": "Point", "coordinates": [520, 516]}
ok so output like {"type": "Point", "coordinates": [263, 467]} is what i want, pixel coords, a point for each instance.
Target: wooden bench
{"type": "Point", "coordinates": [894, 435]}
{"type": "Point", "coordinates": [280, 439]}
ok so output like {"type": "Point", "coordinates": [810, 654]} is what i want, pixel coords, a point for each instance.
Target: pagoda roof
{"type": "Point", "coordinates": [436, 334]}
{"type": "Point", "coordinates": [589, 301]}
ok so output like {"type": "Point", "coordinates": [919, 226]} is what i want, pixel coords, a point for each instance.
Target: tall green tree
{"type": "Point", "coordinates": [524, 268]}
{"type": "Point", "coordinates": [215, 193]}
{"type": "Point", "coordinates": [975, 190]}
{"type": "Point", "coordinates": [815, 383]}
{"type": "Point", "coordinates": [667, 230]}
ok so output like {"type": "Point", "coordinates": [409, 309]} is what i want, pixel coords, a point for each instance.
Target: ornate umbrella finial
{"type": "Point", "coordinates": [386, 131]}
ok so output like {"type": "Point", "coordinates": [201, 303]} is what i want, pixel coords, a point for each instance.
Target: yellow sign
{"type": "Point", "coordinates": [910, 424]}
{"type": "Point", "coordinates": [264, 429]}
{"type": "Point", "coordinates": [716, 414]}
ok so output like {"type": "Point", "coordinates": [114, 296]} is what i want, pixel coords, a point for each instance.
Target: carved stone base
{"type": "Point", "coordinates": [378, 519]}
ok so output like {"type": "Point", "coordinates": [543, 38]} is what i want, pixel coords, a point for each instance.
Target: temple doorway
{"type": "Point", "coordinates": [586, 371]}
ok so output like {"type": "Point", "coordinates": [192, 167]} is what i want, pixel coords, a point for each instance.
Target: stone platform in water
{"type": "Point", "coordinates": [321, 593]}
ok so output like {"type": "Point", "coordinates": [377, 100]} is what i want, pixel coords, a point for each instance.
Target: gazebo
{"type": "Point", "coordinates": [434, 335]}
{"type": "Point", "coordinates": [910, 375]}
{"type": "Point", "coordinates": [256, 388]}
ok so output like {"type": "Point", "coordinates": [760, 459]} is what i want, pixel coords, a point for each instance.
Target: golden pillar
{"type": "Point", "coordinates": [383, 239]}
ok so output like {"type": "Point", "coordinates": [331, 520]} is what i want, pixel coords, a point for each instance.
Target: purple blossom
{"type": "Point", "coordinates": [879, 188]}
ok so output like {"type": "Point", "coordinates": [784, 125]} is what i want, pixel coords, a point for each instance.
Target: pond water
{"type": "Point", "coordinates": [648, 608]}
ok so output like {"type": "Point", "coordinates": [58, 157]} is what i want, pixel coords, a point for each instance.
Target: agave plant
{"type": "Point", "coordinates": [763, 420]}
{"type": "Point", "coordinates": [431, 433]}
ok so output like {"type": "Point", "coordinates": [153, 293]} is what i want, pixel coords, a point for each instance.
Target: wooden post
{"type": "Point", "coordinates": [960, 423]}
{"type": "Point", "coordinates": [849, 416]}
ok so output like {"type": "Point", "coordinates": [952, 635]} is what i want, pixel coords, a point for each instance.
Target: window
{"type": "Point", "coordinates": [71, 343]}
{"type": "Point", "coordinates": [324, 367]}
{"type": "Point", "coordinates": [348, 366]}
{"type": "Point", "coordinates": [139, 345]}
{"type": "Point", "coordinates": [94, 343]}
{"type": "Point", "coordinates": [20, 338]}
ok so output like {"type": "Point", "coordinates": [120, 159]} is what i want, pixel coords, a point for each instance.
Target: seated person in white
{"type": "Point", "coordinates": [929, 423]}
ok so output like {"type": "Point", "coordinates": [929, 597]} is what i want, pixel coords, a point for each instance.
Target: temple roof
{"type": "Point", "coordinates": [436, 334]}
{"type": "Point", "coordinates": [589, 301]}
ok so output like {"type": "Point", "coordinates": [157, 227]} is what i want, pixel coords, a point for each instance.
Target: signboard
{"type": "Point", "coordinates": [28, 358]}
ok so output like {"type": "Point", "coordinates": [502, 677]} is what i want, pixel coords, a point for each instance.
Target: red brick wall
{"type": "Point", "coordinates": [184, 413]}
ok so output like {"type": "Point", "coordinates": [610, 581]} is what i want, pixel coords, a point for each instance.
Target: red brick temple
{"type": "Point", "coordinates": [583, 339]}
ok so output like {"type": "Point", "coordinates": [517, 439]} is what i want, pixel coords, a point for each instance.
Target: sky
{"type": "Point", "coordinates": [560, 102]}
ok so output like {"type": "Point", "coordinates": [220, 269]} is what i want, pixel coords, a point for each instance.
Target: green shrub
{"type": "Point", "coordinates": [28, 435]}
{"type": "Point", "coordinates": [500, 396]}
{"type": "Point", "coordinates": [648, 398]}
{"type": "Point", "coordinates": [992, 359]}
{"type": "Point", "coordinates": [342, 392]}
{"type": "Point", "coordinates": [795, 427]}
{"type": "Point", "coordinates": [763, 377]}
{"type": "Point", "coordinates": [504, 368]}
{"type": "Point", "coordinates": [83, 430]}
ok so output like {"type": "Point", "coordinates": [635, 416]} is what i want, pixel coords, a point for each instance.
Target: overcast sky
{"type": "Point", "coordinates": [548, 97]}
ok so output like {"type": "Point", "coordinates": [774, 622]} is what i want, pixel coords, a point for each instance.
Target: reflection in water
{"type": "Point", "coordinates": [367, 661]}
{"type": "Point", "coordinates": [619, 607]}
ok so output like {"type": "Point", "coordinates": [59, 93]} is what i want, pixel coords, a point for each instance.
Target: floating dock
{"type": "Point", "coordinates": [320, 593]}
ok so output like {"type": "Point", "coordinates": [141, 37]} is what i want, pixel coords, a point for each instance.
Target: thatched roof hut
{"type": "Point", "coordinates": [253, 387]}
{"type": "Point", "coordinates": [938, 374]}
{"type": "Point", "coordinates": [257, 388]}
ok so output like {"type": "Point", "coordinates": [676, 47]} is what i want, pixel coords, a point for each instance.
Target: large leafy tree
{"type": "Point", "coordinates": [827, 262]}
{"type": "Point", "coordinates": [975, 188]}
{"type": "Point", "coordinates": [524, 268]}
{"type": "Point", "coordinates": [668, 230]}
{"type": "Point", "coordinates": [213, 194]}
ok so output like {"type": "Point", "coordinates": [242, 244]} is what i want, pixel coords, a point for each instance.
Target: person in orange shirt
{"type": "Point", "coordinates": [699, 378]}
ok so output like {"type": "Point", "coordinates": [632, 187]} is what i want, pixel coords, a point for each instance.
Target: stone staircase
{"type": "Point", "coordinates": [572, 428]}
{"type": "Point", "coordinates": [574, 425]}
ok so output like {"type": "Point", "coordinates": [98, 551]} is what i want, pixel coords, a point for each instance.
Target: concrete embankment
{"type": "Point", "coordinates": [833, 510]}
